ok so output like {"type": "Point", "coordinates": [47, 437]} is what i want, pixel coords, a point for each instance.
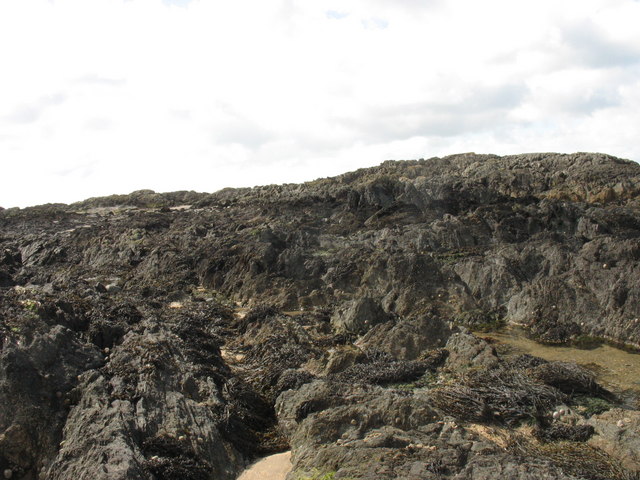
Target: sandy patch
{"type": "Point", "coordinates": [273, 467]}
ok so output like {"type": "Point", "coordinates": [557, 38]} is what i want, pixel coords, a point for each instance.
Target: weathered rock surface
{"type": "Point", "coordinates": [159, 402]}
{"type": "Point", "coordinates": [618, 434]}
{"type": "Point", "coordinates": [407, 338]}
{"type": "Point", "coordinates": [375, 433]}
{"type": "Point", "coordinates": [36, 377]}
{"type": "Point", "coordinates": [358, 316]}
{"type": "Point", "coordinates": [121, 355]}
{"type": "Point", "coordinates": [546, 240]}
{"type": "Point", "coordinates": [469, 350]}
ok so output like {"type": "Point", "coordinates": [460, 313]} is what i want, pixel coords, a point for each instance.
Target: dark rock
{"type": "Point", "coordinates": [562, 431]}
{"type": "Point", "coordinates": [33, 413]}
{"type": "Point", "coordinates": [292, 380]}
{"type": "Point", "coordinates": [256, 316]}
{"type": "Point", "coordinates": [123, 355]}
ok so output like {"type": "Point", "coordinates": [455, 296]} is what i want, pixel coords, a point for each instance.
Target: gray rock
{"type": "Point", "coordinates": [407, 339]}
{"type": "Point", "coordinates": [149, 399]}
{"type": "Point", "coordinates": [35, 378]}
{"type": "Point", "coordinates": [467, 350]}
{"type": "Point", "coordinates": [532, 238]}
{"type": "Point", "coordinates": [373, 433]}
{"type": "Point", "coordinates": [396, 252]}
{"type": "Point", "coordinates": [358, 316]}
{"type": "Point", "coordinates": [618, 434]}
{"type": "Point", "coordinates": [113, 288]}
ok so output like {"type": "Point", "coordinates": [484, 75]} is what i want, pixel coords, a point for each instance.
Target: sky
{"type": "Point", "coordinates": [110, 96]}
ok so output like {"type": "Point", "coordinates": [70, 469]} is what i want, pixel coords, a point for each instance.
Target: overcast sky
{"type": "Point", "coordinates": [111, 96]}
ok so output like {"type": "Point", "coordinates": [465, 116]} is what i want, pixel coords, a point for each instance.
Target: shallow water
{"type": "Point", "coordinates": [616, 369]}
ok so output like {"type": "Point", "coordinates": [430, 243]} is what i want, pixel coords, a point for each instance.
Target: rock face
{"type": "Point", "coordinates": [468, 350]}
{"type": "Point", "coordinates": [375, 433]}
{"type": "Point", "coordinates": [35, 381]}
{"type": "Point", "coordinates": [407, 338]}
{"type": "Point", "coordinates": [358, 316]}
{"type": "Point", "coordinates": [123, 355]}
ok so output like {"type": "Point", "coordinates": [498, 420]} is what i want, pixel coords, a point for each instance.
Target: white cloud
{"type": "Point", "coordinates": [32, 111]}
{"type": "Point", "coordinates": [111, 96]}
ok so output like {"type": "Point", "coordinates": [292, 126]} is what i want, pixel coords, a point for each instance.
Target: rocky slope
{"type": "Point", "coordinates": [124, 353]}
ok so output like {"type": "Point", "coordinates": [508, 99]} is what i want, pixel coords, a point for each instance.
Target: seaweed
{"type": "Point", "coordinates": [563, 431]}
{"type": "Point", "coordinates": [171, 460]}
{"type": "Point", "coordinates": [292, 380]}
{"type": "Point", "coordinates": [502, 395]}
{"type": "Point", "coordinates": [382, 373]}
{"type": "Point", "coordinates": [257, 315]}
{"type": "Point", "coordinates": [570, 379]}
{"type": "Point", "coordinates": [574, 458]}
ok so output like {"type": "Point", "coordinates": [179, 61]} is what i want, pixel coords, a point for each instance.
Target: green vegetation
{"type": "Point", "coordinates": [137, 234]}
{"type": "Point", "coordinates": [316, 474]}
{"type": "Point", "coordinates": [592, 405]}
{"type": "Point", "coordinates": [481, 320]}
{"type": "Point", "coordinates": [586, 342]}
{"type": "Point", "coordinates": [31, 305]}
{"type": "Point", "coordinates": [427, 380]}
{"type": "Point", "coordinates": [450, 258]}
{"type": "Point", "coordinates": [31, 308]}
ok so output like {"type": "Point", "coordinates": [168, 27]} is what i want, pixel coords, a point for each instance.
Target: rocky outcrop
{"type": "Point", "coordinates": [548, 241]}
{"type": "Point", "coordinates": [408, 338]}
{"type": "Point", "coordinates": [157, 402]}
{"type": "Point", "coordinates": [468, 351]}
{"type": "Point", "coordinates": [123, 353]}
{"type": "Point", "coordinates": [358, 316]}
{"type": "Point", "coordinates": [36, 377]}
{"type": "Point", "coordinates": [370, 432]}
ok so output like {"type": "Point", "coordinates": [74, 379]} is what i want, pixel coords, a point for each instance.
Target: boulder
{"type": "Point", "coordinates": [408, 338]}
{"type": "Point", "coordinates": [359, 316]}
{"type": "Point", "coordinates": [467, 350]}
{"type": "Point", "coordinates": [343, 357]}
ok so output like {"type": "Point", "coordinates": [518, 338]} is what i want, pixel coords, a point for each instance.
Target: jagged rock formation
{"type": "Point", "coordinates": [549, 241]}
{"type": "Point", "coordinates": [122, 356]}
